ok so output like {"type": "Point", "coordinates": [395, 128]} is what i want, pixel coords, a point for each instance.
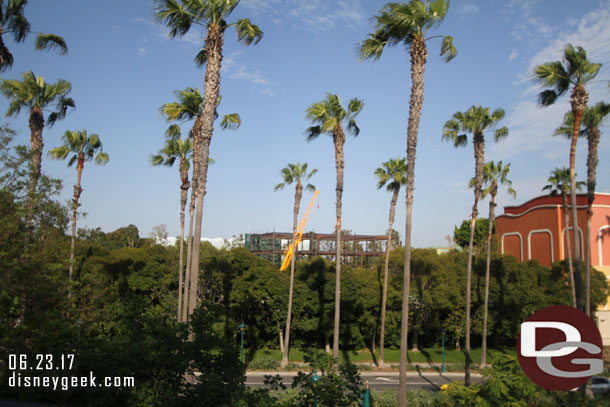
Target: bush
{"type": "Point", "coordinates": [264, 363]}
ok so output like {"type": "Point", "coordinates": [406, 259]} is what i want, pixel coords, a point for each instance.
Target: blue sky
{"type": "Point", "coordinates": [123, 67]}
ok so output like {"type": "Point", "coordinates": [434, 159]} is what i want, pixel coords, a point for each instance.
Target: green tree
{"type": "Point", "coordinates": [181, 150]}
{"type": "Point", "coordinates": [408, 23]}
{"type": "Point", "coordinates": [13, 22]}
{"type": "Point", "coordinates": [392, 174]}
{"type": "Point", "coordinates": [494, 175]}
{"type": "Point", "coordinates": [189, 106]}
{"type": "Point", "coordinates": [592, 120]}
{"type": "Point", "coordinates": [180, 16]}
{"type": "Point", "coordinates": [475, 120]}
{"type": "Point", "coordinates": [37, 95]}
{"type": "Point", "coordinates": [577, 72]}
{"type": "Point", "coordinates": [559, 184]}
{"type": "Point", "coordinates": [293, 173]}
{"type": "Point", "coordinates": [461, 235]}
{"type": "Point", "coordinates": [84, 148]}
{"type": "Point", "coordinates": [330, 117]}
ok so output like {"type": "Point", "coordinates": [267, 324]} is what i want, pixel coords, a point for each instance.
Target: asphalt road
{"type": "Point", "coordinates": [379, 380]}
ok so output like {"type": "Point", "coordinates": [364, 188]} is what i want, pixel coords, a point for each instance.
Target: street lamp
{"type": "Point", "coordinates": [443, 331]}
{"type": "Point", "coordinates": [242, 328]}
{"type": "Point", "coordinates": [314, 379]}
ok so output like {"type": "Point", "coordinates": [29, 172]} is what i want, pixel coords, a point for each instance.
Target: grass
{"type": "Point", "coordinates": [425, 355]}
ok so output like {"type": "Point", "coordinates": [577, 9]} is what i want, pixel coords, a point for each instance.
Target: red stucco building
{"type": "Point", "coordinates": [535, 230]}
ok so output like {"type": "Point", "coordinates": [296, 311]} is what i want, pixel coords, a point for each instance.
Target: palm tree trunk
{"type": "Point", "coordinates": [211, 90]}
{"type": "Point", "coordinates": [189, 245]}
{"type": "Point", "coordinates": [338, 140]}
{"type": "Point", "coordinates": [566, 220]}
{"type": "Point", "coordinates": [36, 124]}
{"type": "Point", "coordinates": [77, 191]}
{"type": "Point", "coordinates": [184, 187]}
{"type": "Point", "coordinates": [492, 206]}
{"type": "Point", "coordinates": [592, 160]}
{"type": "Point", "coordinates": [297, 202]}
{"type": "Point", "coordinates": [384, 297]}
{"type": "Point", "coordinates": [578, 101]}
{"type": "Point", "coordinates": [419, 53]}
{"type": "Point", "coordinates": [479, 157]}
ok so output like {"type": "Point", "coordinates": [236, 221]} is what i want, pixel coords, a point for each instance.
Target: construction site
{"type": "Point", "coordinates": [356, 249]}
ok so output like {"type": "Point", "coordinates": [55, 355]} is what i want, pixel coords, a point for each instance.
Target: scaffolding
{"type": "Point", "coordinates": [355, 249]}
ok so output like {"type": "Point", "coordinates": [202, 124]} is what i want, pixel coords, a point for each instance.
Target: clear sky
{"type": "Point", "coordinates": [123, 67]}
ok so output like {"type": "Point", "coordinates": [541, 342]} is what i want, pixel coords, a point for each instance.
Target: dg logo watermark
{"type": "Point", "coordinates": [560, 348]}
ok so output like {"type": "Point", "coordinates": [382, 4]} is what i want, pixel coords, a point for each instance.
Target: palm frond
{"type": "Point", "coordinates": [102, 158]}
{"type": "Point", "coordinates": [313, 132]}
{"type": "Point", "coordinates": [51, 42]}
{"type": "Point", "coordinates": [448, 50]}
{"type": "Point", "coordinates": [230, 121]}
{"type": "Point", "coordinates": [248, 33]}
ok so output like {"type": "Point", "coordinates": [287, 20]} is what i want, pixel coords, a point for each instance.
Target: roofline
{"type": "Point", "coordinates": [549, 196]}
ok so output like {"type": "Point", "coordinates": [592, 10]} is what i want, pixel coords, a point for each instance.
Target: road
{"type": "Point", "coordinates": [379, 380]}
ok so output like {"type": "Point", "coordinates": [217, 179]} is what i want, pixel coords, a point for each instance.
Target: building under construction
{"type": "Point", "coordinates": [356, 249]}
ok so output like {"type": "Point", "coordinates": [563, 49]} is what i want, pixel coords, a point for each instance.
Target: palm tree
{"type": "Point", "coordinates": [179, 16]}
{"type": "Point", "coordinates": [408, 23]}
{"type": "Point", "coordinates": [329, 117]}
{"type": "Point", "coordinates": [559, 184]}
{"type": "Point", "coordinates": [189, 106]}
{"type": "Point", "coordinates": [181, 150]}
{"type": "Point", "coordinates": [475, 120]}
{"type": "Point", "coordinates": [37, 95]}
{"type": "Point", "coordinates": [493, 176]}
{"type": "Point", "coordinates": [85, 148]}
{"type": "Point", "coordinates": [592, 119]}
{"type": "Point", "coordinates": [577, 72]}
{"type": "Point", "coordinates": [392, 174]}
{"type": "Point", "coordinates": [293, 173]}
{"type": "Point", "coordinates": [12, 21]}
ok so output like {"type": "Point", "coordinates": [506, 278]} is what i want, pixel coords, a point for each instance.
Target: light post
{"type": "Point", "coordinates": [242, 328]}
{"type": "Point", "coordinates": [314, 379]}
{"type": "Point", "coordinates": [443, 331]}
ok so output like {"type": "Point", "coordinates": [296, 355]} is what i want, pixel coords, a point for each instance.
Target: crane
{"type": "Point", "coordinates": [299, 233]}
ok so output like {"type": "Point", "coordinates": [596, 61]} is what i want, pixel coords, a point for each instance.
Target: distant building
{"type": "Point", "coordinates": [355, 249]}
{"type": "Point", "coordinates": [536, 230]}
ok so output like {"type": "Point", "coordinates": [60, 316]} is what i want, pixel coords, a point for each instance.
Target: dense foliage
{"type": "Point", "coordinates": [120, 320]}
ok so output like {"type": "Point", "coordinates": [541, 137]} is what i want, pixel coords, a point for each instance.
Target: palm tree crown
{"type": "Point", "coordinates": [174, 149]}
{"type": "Point", "coordinates": [34, 93]}
{"type": "Point", "coordinates": [180, 15]}
{"type": "Point", "coordinates": [83, 146]}
{"type": "Point", "coordinates": [475, 120]}
{"type": "Point", "coordinates": [12, 21]}
{"type": "Point", "coordinates": [295, 173]}
{"type": "Point", "coordinates": [392, 174]}
{"type": "Point", "coordinates": [407, 23]}
{"type": "Point", "coordinates": [559, 182]}
{"type": "Point", "coordinates": [495, 175]}
{"type": "Point", "coordinates": [329, 114]}
{"type": "Point", "coordinates": [576, 73]}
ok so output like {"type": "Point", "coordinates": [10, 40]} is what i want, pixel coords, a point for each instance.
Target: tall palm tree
{"type": "Point", "coordinates": [476, 121]}
{"type": "Point", "coordinates": [189, 106]}
{"type": "Point", "coordinates": [181, 150]}
{"type": "Point", "coordinates": [494, 175]}
{"type": "Point", "coordinates": [576, 73]}
{"type": "Point", "coordinates": [38, 96]}
{"type": "Point", "coordinates": [559, 184]}
{"type": "Point", "coordinates": [293, 173]}
{"type": "Point", "coordinates": [180, 16]}
{"type": "Point", "coordinates": [592, 119]}
{"type": "Point", "coordinates": [330, 117]}
{"type": "Point", "coordinates": [392, 174]}
{"type": "Point", "coordinates": [12, 21]}
{"type": "Point", "coordinates": [85, 147]}
{"type": "Point", "coordinates": [408, 23]}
